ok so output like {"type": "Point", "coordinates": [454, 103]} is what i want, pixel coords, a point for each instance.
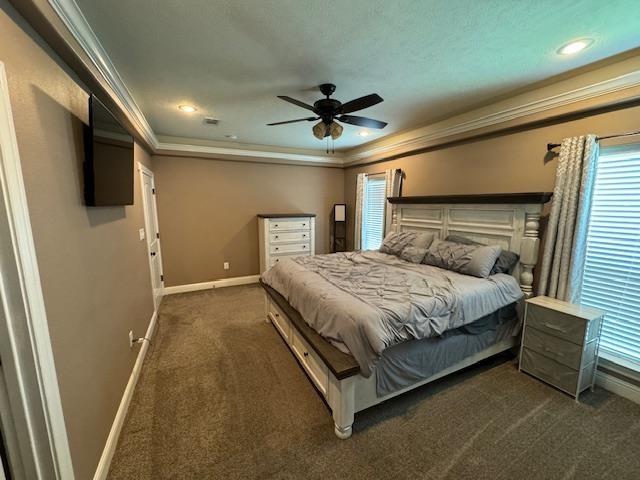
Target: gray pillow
{"type": "Point", "coordinates": [413, 254]}
{"type": "Point", "coordinates": [422, 240]}
{"type": "Point", "coordinates": [505, 263]}
{"type": "Point", "coordinates": [395, 242]}
{"type": "Point", "coordinates": [475, 260]}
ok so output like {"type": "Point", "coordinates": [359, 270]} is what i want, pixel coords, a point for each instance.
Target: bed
{"type": "Point", "coordinates": [367, 326]}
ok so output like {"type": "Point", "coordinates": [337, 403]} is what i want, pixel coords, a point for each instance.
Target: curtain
{"type": "Point", "coordinates": [393, 178]}
{"type": "Point", "coordinates": [566, 238]}
{"type": "Point", "coordinates": [360, 186]}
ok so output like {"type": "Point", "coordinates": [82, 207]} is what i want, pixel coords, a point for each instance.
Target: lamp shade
{"type": "Point", "coordinates": [320, 130]}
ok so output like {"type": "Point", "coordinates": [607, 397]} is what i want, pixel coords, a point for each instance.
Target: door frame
{"type": "Point", "coordinates": [144, 170]}
{"type": "Point", "coordinates": [34, 403]}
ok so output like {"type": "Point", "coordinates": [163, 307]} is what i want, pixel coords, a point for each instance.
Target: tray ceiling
{"type": "Point", "coordinates": [427, 59]}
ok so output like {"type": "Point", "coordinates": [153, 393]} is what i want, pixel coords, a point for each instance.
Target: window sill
{"type": "Point", "coordinates": [619, 367]}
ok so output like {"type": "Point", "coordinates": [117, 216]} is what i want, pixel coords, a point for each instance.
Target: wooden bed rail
{"type": "Point", "coordinates": [341, 364]}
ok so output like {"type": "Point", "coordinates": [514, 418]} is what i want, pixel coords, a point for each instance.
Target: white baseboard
{"type": "Point", "coordinates": [225, 282]}
{"type": "Point", "coordinates": [192, 287]}
{"type": "Point", "coordinates": [118, 422]}
{"type": "Point", "coordinates": [618, 386]}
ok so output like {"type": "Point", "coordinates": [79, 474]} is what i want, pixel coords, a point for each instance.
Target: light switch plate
{"type": "Point", "coordinates": [141, 233]}
{"type": "Point", "coordinates": [225, 265]}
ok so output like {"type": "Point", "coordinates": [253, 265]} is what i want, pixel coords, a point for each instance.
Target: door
{"type": "Point", "coordinates": [152, 233]}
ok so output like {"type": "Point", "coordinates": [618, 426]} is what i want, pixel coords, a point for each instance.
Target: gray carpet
{"type": "Point", "coordinates": [221, 396]}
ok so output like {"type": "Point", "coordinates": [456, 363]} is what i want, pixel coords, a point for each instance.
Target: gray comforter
{"type": "Point", "coordinates": [365, 302]}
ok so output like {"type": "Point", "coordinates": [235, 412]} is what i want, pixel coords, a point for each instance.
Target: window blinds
{"type": "Point", "coordinates": [373, 212]}
{"type": "Point", "coordinates": [612, 270]}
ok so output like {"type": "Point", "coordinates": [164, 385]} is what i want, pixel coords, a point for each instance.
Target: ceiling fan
{"type": "Point", "coordinates": [330, 111]}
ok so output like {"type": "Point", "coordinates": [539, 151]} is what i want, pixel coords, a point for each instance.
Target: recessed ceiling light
{"type": "Point", "coordinates": [232, 137]}
{"type": "Point", "coordinates": [575, 46]}
{"type": "Point", "coordinates": [363, 133]}
{"type": "Point", "coordinates": [187, 108]}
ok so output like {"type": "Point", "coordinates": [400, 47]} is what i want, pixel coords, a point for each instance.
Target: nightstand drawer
{"type": "Point", "coordinates": [556, 323]}
{"type": "Point", "coordinates": [550, 371]}
{"type": "Point", "coordinates": [560, 350]}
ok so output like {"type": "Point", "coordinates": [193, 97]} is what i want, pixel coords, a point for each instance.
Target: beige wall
{"type": "Point", "coordinates": [207, 211]}
{"type": "Point", "coordinates": [509, 163]}
{"type": "Point", "coordinates": [94, 270]}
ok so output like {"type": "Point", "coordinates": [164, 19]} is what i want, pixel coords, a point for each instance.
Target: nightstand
{"type": "Point", "coordinates": [560, 343]}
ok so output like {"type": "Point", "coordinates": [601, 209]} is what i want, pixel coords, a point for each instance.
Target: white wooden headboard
{"type": "Point", "coordinates": [509, 220]}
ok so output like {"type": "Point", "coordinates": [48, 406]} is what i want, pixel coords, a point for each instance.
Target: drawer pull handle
{"type": "Point", "coordinates": [276, 225]}
{"type": "Point", "coordinates": [277, 248]}
{"type": "Point", "coordinates": [304, 246]}
{"type": "Point", "coordinates": [276, 236]}
{"type": "Point", "coordinates": [304, 235]}
{"type": "Point", "coordinates": [306, 354]}
{"type": "Point", "coordinates": [555, 327]}
{"type": "Point", "coordinates": [304, 224]}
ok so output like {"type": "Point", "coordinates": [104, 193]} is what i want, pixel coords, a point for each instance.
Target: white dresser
{"type": "Point", "coordinates": [284, 235]}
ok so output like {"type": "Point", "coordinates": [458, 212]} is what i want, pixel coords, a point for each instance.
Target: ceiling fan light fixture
{"type": "Point", "coordinates": [319, 130]}
{"type": "Point", "coordinates": [335, 130]}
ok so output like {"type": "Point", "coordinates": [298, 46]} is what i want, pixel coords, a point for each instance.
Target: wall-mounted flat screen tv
{"type": "Point", "coordinates": [108, 163]}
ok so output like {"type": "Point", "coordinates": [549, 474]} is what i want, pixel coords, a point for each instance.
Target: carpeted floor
{"type": "Point", "coordinates": [222, 397]}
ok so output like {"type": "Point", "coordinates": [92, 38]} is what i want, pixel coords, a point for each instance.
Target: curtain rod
{"type": "Point", "coordinates": [551, 146]}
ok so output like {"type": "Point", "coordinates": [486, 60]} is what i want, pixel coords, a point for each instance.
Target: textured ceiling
{"type": "Point", "coordinates": [427, 59]}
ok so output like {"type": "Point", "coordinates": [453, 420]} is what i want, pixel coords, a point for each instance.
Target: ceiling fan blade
{"type": "Point", "coordinates": [296, 102]}
{"type": "Point", "coordinates": [308, 119]}
{"type": "Point", "coordinates": [362, 121]}
{"type": "Point", "coordinates": [361, 103]}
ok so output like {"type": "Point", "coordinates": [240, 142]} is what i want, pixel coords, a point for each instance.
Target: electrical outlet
{"type": "Point", "coordinates": [226, 265]}
{"type": "Point", "coordinates": [141, 234]}
{"type": "Point", "coordinates": [131, 338]}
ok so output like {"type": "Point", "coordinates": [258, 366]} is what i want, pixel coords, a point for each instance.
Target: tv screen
{"type": "Point", "coordinates": [108, 165]}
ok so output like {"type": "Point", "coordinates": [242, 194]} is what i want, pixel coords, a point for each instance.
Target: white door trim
{"type": "Point", "coordinates": [25, 346]}
{"type": "Point", "coordinates": [144, 170]}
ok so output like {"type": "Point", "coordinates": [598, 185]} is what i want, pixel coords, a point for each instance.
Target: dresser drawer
{"type": "Point", "coordinates": [550, 371]}
{"type": "Point", "coordinates": [560, 350]}
{"type": "Point", "coordinates": [556, 323]}
{"type": "Point", "coordinates": [285, 237]}
{"type": "Point", "coordinates": [283, 225]}
{"type": "Point", "coordinates": [280, 321]}
{"type": "Point", "coordinates": [277, 258]}
{"type": "Point", "coordinates": [289, 248]}
{"type": "Point", "coordinates": [315, 367]}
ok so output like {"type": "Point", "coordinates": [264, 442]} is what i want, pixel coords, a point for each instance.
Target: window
{"type": "Point", "coordinates": [373, 212]}
{"type": "Point", "coordinates": [612, 265]}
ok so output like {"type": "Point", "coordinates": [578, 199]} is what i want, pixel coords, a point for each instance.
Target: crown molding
{"type": "Point", "coordinates": [75, 21]}
{"type": "Point", "coordinates": [419, 140]}
{"type": "Point", "coordinates": [428, 136]}
{"type": "Point", "coordinates": [248, 155]}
